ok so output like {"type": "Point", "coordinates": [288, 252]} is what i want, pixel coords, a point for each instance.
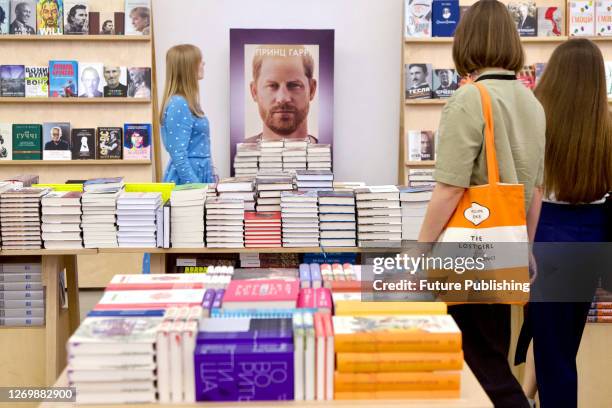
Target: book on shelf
{"type": "Point", "coordinates": [115, 78]}
{"type": "Point", "coordinates": [551, 21]}
{"type": "Point", "coordinates": [418, 81]}
{"type": "Point", "coordinates": [139, 82]}
{"type": "Point", "coordinates": [445, 82]}
{"type": "Point", "coordinates": [603, 14]}
{"type": "Point", "coordinates": [27, 142]}
{"type": "Point", "coordinates": [91, 82]}
{"type": "Point", "coordinates": [22, 17]}
{"type": "Point", "coordinates": [12, 80]}
{"type": "Point", "coordinates": [137, 17]}
{"type": "Point", "coordinates": [6, 141]}
{"type": "Point", "coordinates": [61, 219]}
{"type": "Point", "coordinates": [109, 143]}
{"type": "Point", "coordinates": [4, 22]}
{"type": "Point", "coordinates": [524, 13]}
{"type": "Point", "coordinates": [63, 79]}
{"type": "Point", "coordinates": [76, 17]}
{"type": "Point", "coordinates": [581, 19]}
{"type": "Point", "coordinates": [56, 141]}
{"type": "Point", "coordinates": [36, 81]}
{"type": "Point", "coordinates": [83, 143]}
{"type": "Point", "coordinates": [421, 145]}
{"type": "Point", "coordinates": [418, 18]}
{"type": "Point", "coordinates": [445, 17]}
{"type": "Point", "coordinates": [50, 17]}
{"type": "Point", "coordinates": [137, 141]}
{"type": "Point", "coordinates": [106, 23]}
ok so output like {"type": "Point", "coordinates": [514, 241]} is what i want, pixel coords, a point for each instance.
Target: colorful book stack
{"type": "Point", "coordinates": [262, 229]}
{"type": "Point", "coordinates": [314, 180]}
{"type": "Point", "coordinates": [294, 155]}
{"type": "Point", "coordinates": [99, 205]}
{"type": "Point", "coordinates": [310, 275]}
{"type": "Point", "coordinates": [21, 295]}
{"type": "Point", "coordinates": [337, 218]}
{"type": "Point", "coordinates": [397, 357]}
{"type": "Point", "coordinates": [225, 223]}
{"type": "Point", "coordinates": [300, 218]}
{"type": "Point", "coordinates": [414, 201]}
{"type": "Point", "coordinates": [238, 188]}
{"type": "Point", "coordinates": [137, 215]}
{"type": "Point", "coordinates": [318, 298]}
{"type": "Point", "coordinates": [378, 216]}
{"type": "Point", "coordinates": [61, 220]}
{"type": "Point", "coordinates": [187, 215]}
{"type": "Point", "coordinates": [246, 159]}
{"type": "Point", "coordinates": [20, 217]}
{"type": "Point", "coordinates": [341, 277]}
{"type": "Point", "coordinates": [269, 186]}
{"type": "Point", "coordinates": [601, 307]}
{"type": "Point", "coordinates": [318, 157]}
{"type": "Point", "coordinates": [271, 157]}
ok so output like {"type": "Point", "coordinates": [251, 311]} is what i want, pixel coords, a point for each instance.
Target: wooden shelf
{"type": "Point", "coordinates": [75, 38]}
{"type": "Point", "coordinates": [426, 101]}
{"type": "Point", "coordinates": [29, 252]}
{"type": "Point", "coordinates": [236, 250]}
{"type": "Point", "coordinates": [73, 100]}
{"type": "Point", "coordinates": [559, 39]}
{"type": "Point", "coordinates": [424, 163]}
{"type": "Point", "coordinates": [74, 162]}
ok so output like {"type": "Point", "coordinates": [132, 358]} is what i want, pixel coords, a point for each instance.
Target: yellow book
{"type": "Point", "coordinates": [357, 308]}
{"type": "Point", "coordinates": [411, 381]}
{"type": "Point", "coordinates": [61, 187]}
{"type": "Point", "coordinates": [397, 395]}
{"type": "Point", "coordinates": [164, 188]}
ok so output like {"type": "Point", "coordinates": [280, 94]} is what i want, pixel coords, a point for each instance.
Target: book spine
{"type": "Point", "coordinates": [315, 275]}
{"type": "Point", "coordinates": [401, 342]}
{"type": "Point", "coordinates": [163, 362]}
{"type": "Point", "coordinates": [398, 362]}
{"type": "Point", "coordinates": [396, 381]}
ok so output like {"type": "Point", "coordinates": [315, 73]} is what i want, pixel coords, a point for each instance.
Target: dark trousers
{"type": "Point", "coordinates": [486, 341]}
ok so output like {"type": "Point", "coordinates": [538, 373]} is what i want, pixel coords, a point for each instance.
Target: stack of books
{"type": "Point", "coordinates": [396, 356]}
{"type": "Point", "coordinates": [21, 295]}
{"type": "Point", "coordinates": [4, 186]}
{"type": "Point", "coordinates": [187, 215]}
{"type": "Point", "coordinates": [61, 220]}
{"type": "Point", "coordinates": [421, 177]}
{"type": "Point", "coordinates": [137, 216]}
{"type": "Point", "coordinates": [99, 205]}
{"type": "Point", "coordinates": [211, 192]}
{"type": "Point", "coordinates": [601, 307]}
{"type": "Point", "coordinates": [269, 186]}
{"type": "Point", "coordinates": [378, 216]}
{"type": "Point", "coordinates": [338, 227]}
{"type": "Point", "coordinates": [348, 185]}
{"type": "Point", "coordinates": [262, 229]}
{"type": "Point", "coordinates": [271, 157]}
{"type": "Point", "coordinates": [241, 188]}
{"type": "Point", "coordinates": [225, 223]}
{"type": "Point", "coordinates": [294, 155]}
{"type": "Point", "coordinates": [20, 217]}
{"type": "Point", "coordinates": [319, 157]}
{"type": "Point", "coordinates": [246, 159]}
{"type": "Point", "coordinates": [314, 180]}
{"type": "Point", "coordinates": [300, 219]}
{"type": "Point", "coordinates": [414, 201]}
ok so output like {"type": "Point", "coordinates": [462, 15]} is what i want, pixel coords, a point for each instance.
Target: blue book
{"type": "Point", "coordinates": [315, 275]}
{"type": "Point", "coordinates": [260, 313]}
{"type": "Point", "coordinates": [245, 330]}
{"type": "Point", "coordinates": [63, 79]}
{"type": "Point", "coordinates": [304, 276]}
{"type": "Point", "coordinates": [445, 16]}
{"type": "Point", "coordinates": [127, 313]}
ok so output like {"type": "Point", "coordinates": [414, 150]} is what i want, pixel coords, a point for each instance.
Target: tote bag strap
{"type": "Point", "coordinates": [487, 112]}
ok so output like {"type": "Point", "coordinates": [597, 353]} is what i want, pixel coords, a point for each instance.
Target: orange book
{"type": "Point", "coordinates": [417, 381]}
{"type": "Point", "coordinates": [601, 305]}
{"type": "Point", "coordinates": [397, 395]}
{"type": "Point", "coordinates": [600, 312]}
{"type": "Point", "coordinates": [357, 308]}
{"type": "Point", "coordinates": [398, 362]}
{"type": "Point", "coordinates": [397, 333]}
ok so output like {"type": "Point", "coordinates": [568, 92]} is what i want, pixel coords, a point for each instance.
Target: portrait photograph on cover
{"type": "Point", "coordinates": [281, 85]}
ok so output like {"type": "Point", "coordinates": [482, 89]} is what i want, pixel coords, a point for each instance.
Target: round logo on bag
{"type": "Point", "coordinates": [476, 214]}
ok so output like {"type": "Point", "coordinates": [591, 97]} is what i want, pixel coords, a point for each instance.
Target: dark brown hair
{"type": "Point", "coordinates": [487, 37]}
{"type": "Point", "coordinates": [572, 90]}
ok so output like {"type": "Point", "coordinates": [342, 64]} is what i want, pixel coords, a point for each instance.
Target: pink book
{"type": "Point", "coordinates": [323, 300]}
{"type": "Point", "coordinates": [306, 299]}
{"type": "Point", "coordinates": [266, 294]}
{"type": "Point", "coordinates": [149, 299]}
{"type": "Point", "coordinates": [158, 281]}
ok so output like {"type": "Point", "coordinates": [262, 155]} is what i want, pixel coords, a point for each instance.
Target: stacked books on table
{"type": "Point", "coordinates": [187, 215]}
{"type": "Point", "coordinates": [300, 219]}
{"type": "Point", "coordinates": [4, 185]}
{"type": "Point", "coordinates": [262, 229]}
{"type": "Point", "coordinates": [294, 155]}
{"type": "Point", "coordinates": [269, 186]}
{"type": "Point", "coordinates": [271, 156]}
{"type": "Point", "coordinates": [319, 157]}
{"type": "Point", "coordinates": [421, 177]}
{"type": "Point", "coordinates": [20, 217]}
{"type": "Point", "coordinates": [314, 180]}
{"type": "Point", "coordinates": [601, 307]}
{"type": "Point", "coordinates": [338, 227]}
{"type": "Point", "coordinates": [99, 205]}
{"type": "Point", "coordinates": [137, 218]}
{"type": "Point", "coordinates": [225, 223]}
{"type": "Point", "coordinates": [414, 201]}
{"type": "Point", "coordinates": [379, 216]}
{"type": "Point", "coordinates": [238, 188]}
{"type": "Point", "coordinates": [61, 220]}
{"type": "Point", "coordinates": [21, 295]}
{"type": "Point", "coordinates": [246, 159]}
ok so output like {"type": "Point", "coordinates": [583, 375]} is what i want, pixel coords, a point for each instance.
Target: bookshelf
{"type": "Point", "coordinates": [78, 101]}
{"type": "Point", "coordinates": [117, 162]}
{"type": "Point", "coordinates": [61, 38]}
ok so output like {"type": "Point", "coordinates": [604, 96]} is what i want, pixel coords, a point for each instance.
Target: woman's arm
{"type": "Point", "coordinates": [533, 214]}
{"type": "Point", "coordinates": [444, 200]}
{"type": "Point", "coordinates": [178, 124]}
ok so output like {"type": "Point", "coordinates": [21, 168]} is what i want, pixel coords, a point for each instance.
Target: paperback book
{"type": "Point", "coordinates": [12, 80]}
{"type": "Point", "coordinates": [418, 81]}
{"type": "Point", "coordinates": [445, 17]}
{"type": "Point", "coordinates": [76, 17]}
{"type": "Point", "coordinates": [581, 18]}
{"type": "Point", "coordinates": [63, 79]}
{"type": "Point", "coordinates": [50, 17]}
{"type": "Point", "coordinates": [23, 17]}
{"type": "Point", "coordinates": [83, 144]}
{"type": "Point", "coordinates": [418, 18]}
{"type": "Point", "coordinates": [56, 139]}
{"type": "Point", "coordinates": [524, 14]}
{"type": "Point", "coordinates": [137, 141]}
{"type": "Point", "coordinates": [36, 81]}
{"type": "Point", "coordinates": [109, 143]}
{"type": "Point", "coordinates": [27, 142]}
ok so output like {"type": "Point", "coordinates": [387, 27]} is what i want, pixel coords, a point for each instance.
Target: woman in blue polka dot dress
{"type": "Point", "coordinates": [184, 127]}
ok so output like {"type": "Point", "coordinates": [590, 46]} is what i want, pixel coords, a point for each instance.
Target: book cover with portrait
{"type": "Point", "coordinates": [418, 81]}
{"type": "Point", "coordinates": [56, 141]}
{"type": "Point", "coordinates": [137, 17]}
{"type": "Point", "coordinates": [91, 80]}
{"type": "Point", "coordinates": [524, 13]}
{"type": "Point", "coordinates": [139, 83]}
{"type": "Point", "coordinates": [83, 143]}
{"type": "Point", "coordinates": [63, 79]}
{"type": "Point", "coordinates": [23, 17]}
{"type": "Point", "coordinates": [12, 80]}
{"type": "Point", "coordinates": [420, 145]}
{"type": "Point", "coordinates": [581, 18]}
{"type": "Point", "coordinates": [76, 17]}
{"type": "Point", "coordinates": [50, 17]}
{"type": "Point", "coordinates": [445, 83]}
{"type": "Point", "coordinates": [115, 78]}
{"type": "Point", "coordinates": [137, 141]}
{"type": "Point", "coordinates": [550, 21]}
{"type": "Point", "coordinates": [4, 16]}
{"type": "Point", "coordinates": [418, 18]}
{"type": "Point", "coordinates": [109, 143]}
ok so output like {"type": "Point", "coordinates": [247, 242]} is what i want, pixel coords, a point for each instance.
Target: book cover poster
{"type": "Point", "coordinates": [23, 17]}
{"type": "Point", "coordinates": [56, 141]}
{"type": "Point", "coordinates": [137, 17]}
{"type": "Point", "coordinates": [109, 143]}
{"type": "Point", "coordinates": [581, 18]}
{"type": "Point", "coordinates": [76, 17]}
{"type": "Point", "coordinates": [445, 17]}
{"type": "Point", "coordinates": [137, 141]}
{"type": "Point", "coordinates": [527, 76]}
{"type": "Point", "coordinates": [26, 142]}
{"type": "Point", "coordinates": [36, 81]}
{"type": "Point", "coordinates": [83, 143]}
{"type": "Point", "coordinates": [418, 81]}
{"type": "Point", "coordinates": [107, 24]}
{"type": "Point", "coordinates": [281, 85]}
{"type": "Point", "coordinates": [6, 141]}
{"type": "Point", "coordinates": [550, 21]}
{"type": "Point", "coordinates": [608, 65]}
{"type": "Point", "coordinates": [603, 22]}
{"type": "Point", "coordinates": [139, 83]}
{"type": "Point", "coordinates": [91, 82]}
{"type": "Point", "coordinates": [420, 145]}
{"type": "Point", "coordinates": [116, 81]}
{"type": "Point", "coordinates": [445, 83]}
{"type": "Point", "coordinates": [49, 17]}
{"type": "Point", "coordinates": [418, 18]}
{"type": "Point", "coordinates": [4, 16]}
{"type": "Point", "coordinates": [63, 79]}
{"type": "Point", "coordinates": [12, 80]}
{"type": "Point", "coordinates": [524, 14]}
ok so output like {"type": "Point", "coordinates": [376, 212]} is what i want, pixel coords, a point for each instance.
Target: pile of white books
{"type": "Point", "coordinates": [21, 294]}
{"type": "Point", "coordinates": [20, 217]}
{"type": "Point", "coordinates": [337, 218]}
{"type": "Point", "coordinates": [379, 216]}
{"type": "Point", "coordinates": [4, 186]}
{"type": "Point", "coordinates": [269, 186]}
{"type": "Point", "coordinates": [137, 218]}
{"type": "Point", "coordinates": [294, 155]}
{"type": "Point", "coordinates": [319, 157]}
{"type": "Point", "coordinates": [211, 192]}
{"type": "Point", "coordinates": [348, 185]}
{"type": "Point", "coordinates": [61, 220]}
{"type": "Point", "coordinates": [246, 159]}
{"type": "Point", "coordinates": [421, 177]}
{"type": "Point", "coordinates": [314, 180]}
{"type": "Point", "coordinates": [225, 223]}
{"type": "Point", "coordinates": [99, 205]}
{"type": "Point", "coordinates": [187, 215]}
{"type": "Point", "coordinates": [414, 203]}
{"type": "Point", "coordinates": [271, 157]}
{"type": "Point", "coordinates": [241, 188]}
{"type": "Point", "coordinates": [300, 218]}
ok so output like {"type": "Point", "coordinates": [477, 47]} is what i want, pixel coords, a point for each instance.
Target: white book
{"type": "Point", "coordinates": [110, 375]}
{"type": "Point", "coordinates": [333, 242]}
{"type": "Point", "coordinates": [124, 386]}
{"type": "Point", "coordinates": [298, 356]}
{"type": "Point", "coordinates": [309, 356]}
{"type": "Point", "coordinates": [189, 334]}
{"type": "Point", "coordinates": [124, 398]}
{"type": "Point", "coordinates": [581, 18]}
{"type": "Point", "coordinates": [104, 362]}
{"type": "Point", "coordinates": [176, 362]}
{"type": "Point", "coordinates": [163, 361]}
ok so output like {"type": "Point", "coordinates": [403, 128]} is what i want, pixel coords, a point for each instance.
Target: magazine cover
{"type": "Point", "coordinates": [49, 17]}
{"type": "Point", "coordinates": [76, 17]}
{"type": "Point", "coordinates": [56, 141]}
{"type": "Point", "coordinates": [109, 143]}
{"type": "Point", "coordinates": [12, 80]}
{"type": "Point", "coordinates": [91, 82]}
{"type": "Point", "coordinates": [524, 14]}
{"type": "Point", "coordinates": [418, 18]}
{"type": "Point", "coordinates": [418, 81]}
{"type": "Point", "coordinates": [36, 81]}
{"type": "Point", "coordinates": [139, 83]}
{"type": "Point", "coordinates": [63, 79]}
{"type": "Point", "coordinates": [137, 17]}
{"type": "Point", "coordinates": [23, 17]}
{"type": "Point", "coordinates": [137, 141]}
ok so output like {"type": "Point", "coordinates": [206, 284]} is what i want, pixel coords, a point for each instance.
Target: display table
{"type": "Point", "coordinates": [472, 396]}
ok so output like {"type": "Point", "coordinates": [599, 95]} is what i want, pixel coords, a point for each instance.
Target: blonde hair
{"type": "Point", "coordinates": [182, 65]}
{"type": "Point", "coordinates": [282, 50]}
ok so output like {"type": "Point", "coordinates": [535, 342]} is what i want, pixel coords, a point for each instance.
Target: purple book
{"type": "Point", "coordinates": [315, 275]}
{"type": "Point", "coordinates": [304, 276]}
{"type": "Point", "coordinates": [218, 300]}
{"type": "Point", "coordinates": [245, 330]}
{"type": "Point", "coordinates": [240, 372]}
{"type": "Point", "coordinates": [209, 297]}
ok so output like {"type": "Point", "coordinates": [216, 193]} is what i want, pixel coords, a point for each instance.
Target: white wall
{"type": "Point", "coordinates": [366, 79]}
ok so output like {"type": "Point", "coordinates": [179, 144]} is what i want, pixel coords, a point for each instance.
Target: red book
{"type": "Point", "coordinates": [323, 300]}
{"type": "Point", "coordinates": [306, 298]}
{"type": "Point", "coordinates": [158, 281]}
{"type": "Point", "coordinates": [262, 294]}
{"type": "Point", "coordinates": [262, 217]}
